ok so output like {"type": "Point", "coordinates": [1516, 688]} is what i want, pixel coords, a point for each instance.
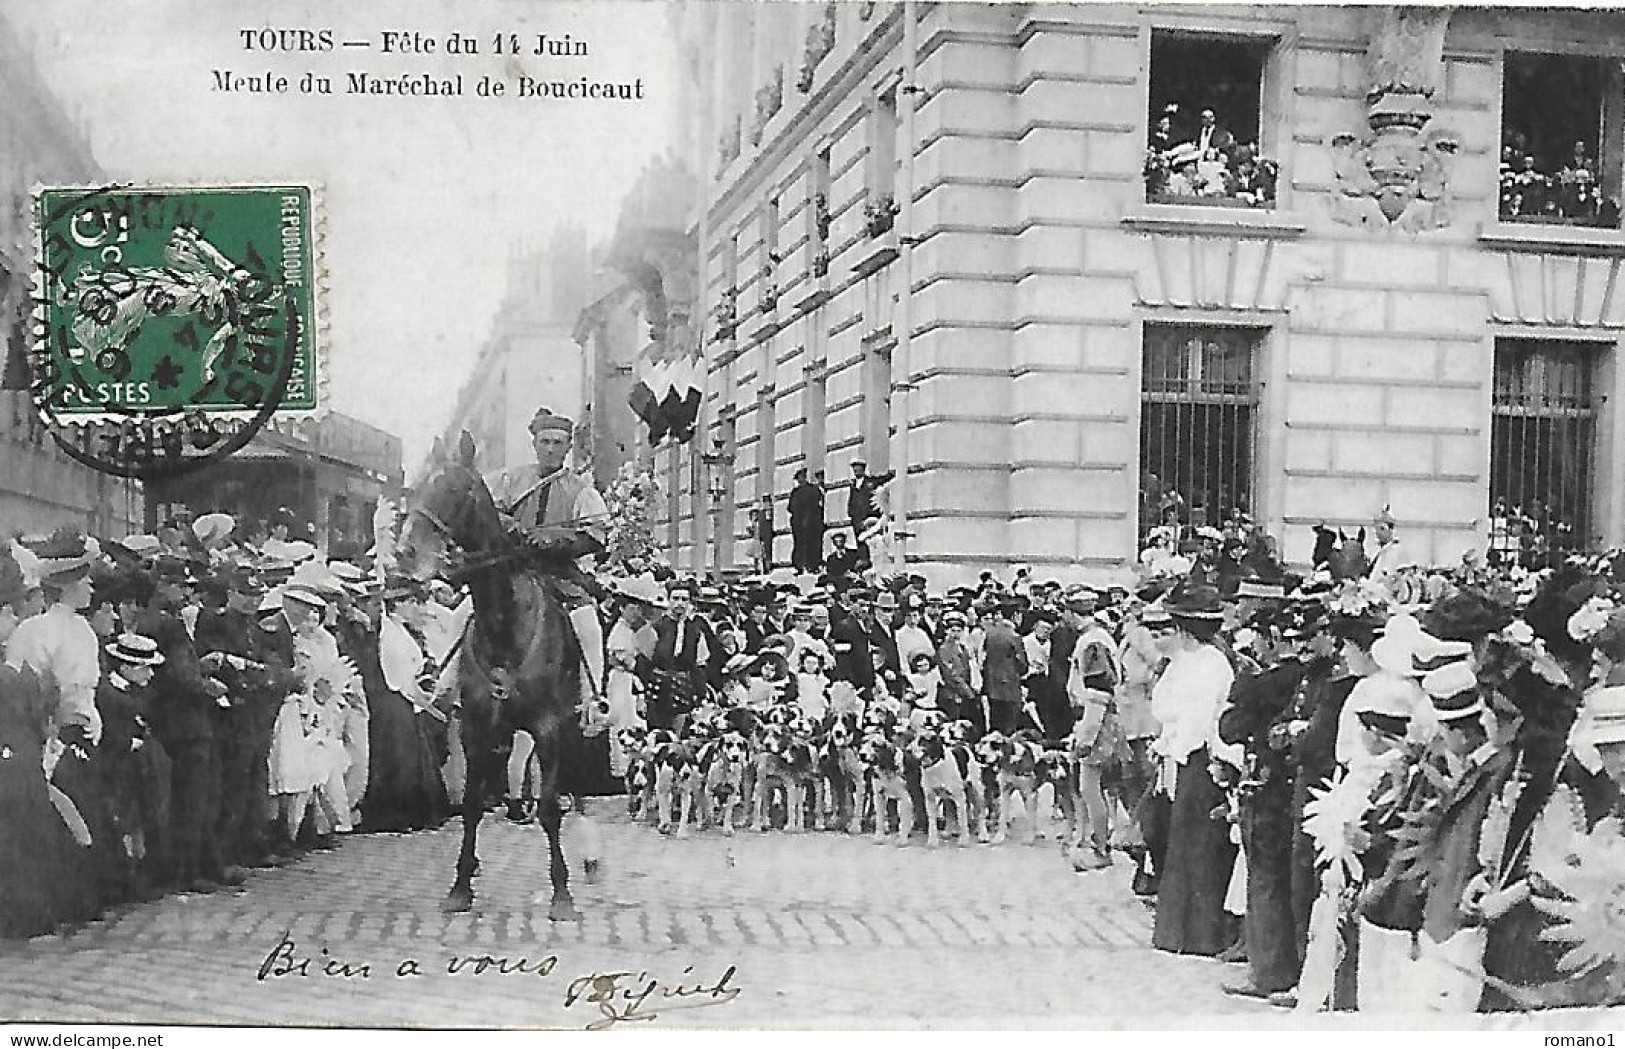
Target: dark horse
{"type": "Point", "coordinates": [521, 663]}
{"type": "Point", "coordinates": [1343, 555]}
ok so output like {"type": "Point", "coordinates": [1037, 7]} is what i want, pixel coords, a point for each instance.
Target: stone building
{"type": "Point", "coordinates": [642, 297]}
{"type": "Point", "coordinates": [323, 475]}
{"type": "Point", "coordinates": [929, 238]}
{"type": "Point", "coordinates": [530, 358]}
{"type": "Point", "coordinates": [40, 486]}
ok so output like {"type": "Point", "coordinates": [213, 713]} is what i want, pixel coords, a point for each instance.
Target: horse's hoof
{"type": "Point", "coordinates": [458, 901]}
{"type": "Point", "coordinates": [563, 910]}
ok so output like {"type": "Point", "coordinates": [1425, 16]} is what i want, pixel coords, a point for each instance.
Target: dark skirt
{"type": "Point", "coordinates": [46, 875]}
{"type": "Point", "coordinates": [584, 763]}
{"type": "Point", "coordinates": [1190, 899]}
{"type": "Point", "coordinates": [404, 788]}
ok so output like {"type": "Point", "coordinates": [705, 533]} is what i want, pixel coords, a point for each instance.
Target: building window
{"type": "Point", "coordinates": [1207, 120]}
{"type": "Point", "coordinates": [815, 405]}
{"type": "Point", "coordinates": [1542, 439]}
{"type": "Point", "coordinates": [767, 425]}
{"type": "Point", "coordinates": [1198, 411]}
{"type": "Point", "coordinates": [875, 375]}
{"type": "Point", "coordinates": [881, 208]}
{"type": "Point", "coordinates": [725, 318]}
{"type": "Point", "coordinates": [818, 214]}
{"type": "Point", "coordinates": [770, 254]}
{"type": "Point", "coordinates": [1561, 139]}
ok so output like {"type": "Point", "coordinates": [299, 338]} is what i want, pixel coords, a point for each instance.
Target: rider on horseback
{"type": "Point", "coordinates": [564, 520]}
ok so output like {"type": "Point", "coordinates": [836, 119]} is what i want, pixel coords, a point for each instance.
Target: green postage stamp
{"type": "Point", "coordinates": [173, 301]}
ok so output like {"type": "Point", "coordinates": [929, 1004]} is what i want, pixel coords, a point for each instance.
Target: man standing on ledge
{"type": "Point", "coordinates": [568, 521]}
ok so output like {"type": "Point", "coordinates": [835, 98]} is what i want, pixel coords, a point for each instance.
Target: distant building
{"type": "Point", "coordinates": [643, 289]}
{"type": "Point", "coordinates": [40, 487]}
{"type": "Point", "coordinates": [324, 476]}
{"type": "Point", "coordinates": [962, 250]}
{"type": "Point", "coordinates": [530, 358]}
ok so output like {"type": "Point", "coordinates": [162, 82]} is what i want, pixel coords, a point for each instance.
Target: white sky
{"type": "Point", "coordinates": [426, 199]}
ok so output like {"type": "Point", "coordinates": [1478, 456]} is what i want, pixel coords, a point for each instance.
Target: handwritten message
{"type": "Point", "coordinates": [618, 997]}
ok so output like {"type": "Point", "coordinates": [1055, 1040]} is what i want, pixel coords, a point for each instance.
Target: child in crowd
{"type": "Point", "coordinates": [812, 685]}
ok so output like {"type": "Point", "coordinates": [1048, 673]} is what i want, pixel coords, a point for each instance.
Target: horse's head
{"type": "Point", "coordinates": [1350, 560]}
{"type": "Point", "coordinates": [452, 513]}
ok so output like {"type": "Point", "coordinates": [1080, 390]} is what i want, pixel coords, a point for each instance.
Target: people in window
{"type": "Point", "coordinates": [1206, 162]}
{"type": "Point", "coordinates": [1572, 194]}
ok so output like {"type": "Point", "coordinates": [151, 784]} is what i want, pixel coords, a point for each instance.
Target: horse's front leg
{"type": "Point", "coordinates": [461, 896]}
{"type": "Point", "coordinates": [552, 817]}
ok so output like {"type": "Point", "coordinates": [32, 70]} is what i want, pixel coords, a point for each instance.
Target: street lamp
{"type": "Point", "coordinates": [716, 485]}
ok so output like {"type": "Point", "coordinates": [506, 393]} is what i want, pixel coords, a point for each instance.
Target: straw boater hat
{"type": "Point", "coordinates": [59, 559]}
{"type": "Point", "coordinates": [213, 528]}
{"type": "Point", "coordinates": [353, 578]}
{"type": "Point", "coordinates": [1182, 154]}
{"type": "Point", "coordinates": [1453, 688]}
{"type": "Point", "coordinates": [740, 662]}
{"type": "Point", "coordinates": [304, 595]}
{"type": "Point", "coordinates": [1602, 718]}
{"type": "Point", "coordinates": [643, 589]}
{"type": "Point", "coordinates": [136, 649]}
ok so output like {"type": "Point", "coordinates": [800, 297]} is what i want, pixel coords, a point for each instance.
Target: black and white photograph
{"type": "Point", "coordinates": [777, 515]}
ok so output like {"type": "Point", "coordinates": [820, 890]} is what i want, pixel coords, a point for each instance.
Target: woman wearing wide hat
{"type": "Point", "coordinates": [49, 710]}
{"type": "Point", "coordinates": [1187, 701]}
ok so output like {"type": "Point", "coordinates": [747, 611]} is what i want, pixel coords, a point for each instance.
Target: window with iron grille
{"type": "Point", "coordinates": [1542, 449]}
{"type": "Point", "coordinates": [1198, 414]}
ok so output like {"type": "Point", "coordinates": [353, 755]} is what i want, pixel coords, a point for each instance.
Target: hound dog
{"type": "Point", "coordinates": [784, 758]}
{"type": "Point", "coordinates": [887, 759]}
{"type": "Point", "coordinates": [638, 744]}
{"type": "Point", "coordinates": [989, 753]}
{"type": "Point", "coordinates": [1018, 775]}
{"type": "Point", "coordinates": [1059, 769]}
{"type": "Point", "coordinates": [679, 783]}
{"type": "Point", "coordinates": [840, 773]}
{"type": "Point", "coordinates": [950, 772]}
{"type": "Point", "coordinates": [724, 763]}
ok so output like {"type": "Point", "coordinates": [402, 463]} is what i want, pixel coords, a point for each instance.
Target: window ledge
{"type": "Point", "coordinates": [879, 258]}
{"type": "Point", "coordinates": [1201, 220]}
{"type": "Point", "coordinates": [1552, 238]}
{"type": "Point", "coordinates": [819, 296]}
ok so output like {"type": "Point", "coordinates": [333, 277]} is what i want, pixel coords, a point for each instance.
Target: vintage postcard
{"type": "Point", "coordinates": [904, 515]}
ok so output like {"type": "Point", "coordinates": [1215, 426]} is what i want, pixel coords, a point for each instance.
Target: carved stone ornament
{"type": "Point", "coordinates": [820, 42]}
{"type": "Point", "coordinates": [1397, 174]}
{"type": "Point", "coordinates": [769, 99]}
{"type": "Point", "coordinates": [728, 144]}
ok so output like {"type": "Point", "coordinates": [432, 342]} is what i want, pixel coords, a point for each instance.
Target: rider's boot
{"type": "Point", "coordinates": [590, 635]}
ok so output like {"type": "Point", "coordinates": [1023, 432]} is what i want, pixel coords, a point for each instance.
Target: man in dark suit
{"type": "Point", "coordinates": [757, 627]}
{"type": "Point", "coordinates": [959, 697]}
{"type": "Point", "coordinates": [1003, 670]}
{"type": "Point", "coordinates": [860, 498]}
{"type": "Point", "coordinates": [806, 524]}
{"type": "Point", "coordinates": [679, 661]}
{"type": "Point", "coordinates": [849, 641]}
{"type": "Point", "coordinates": [843, 561]}
{"type": "Point", "coordinates": [1211, 135]}
{"type": "Point", "coordinates": [187, 703]}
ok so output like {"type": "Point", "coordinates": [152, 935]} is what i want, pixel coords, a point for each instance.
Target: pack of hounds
{"type": "Point", "coordinates": [735, 767]}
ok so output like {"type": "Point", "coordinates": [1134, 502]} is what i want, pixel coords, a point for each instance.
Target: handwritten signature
{"type": "Point", "coordinates": [624, 997]}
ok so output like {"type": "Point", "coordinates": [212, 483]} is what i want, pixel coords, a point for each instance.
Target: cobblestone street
{"type": "Point", "coordinates": [820, 930]}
